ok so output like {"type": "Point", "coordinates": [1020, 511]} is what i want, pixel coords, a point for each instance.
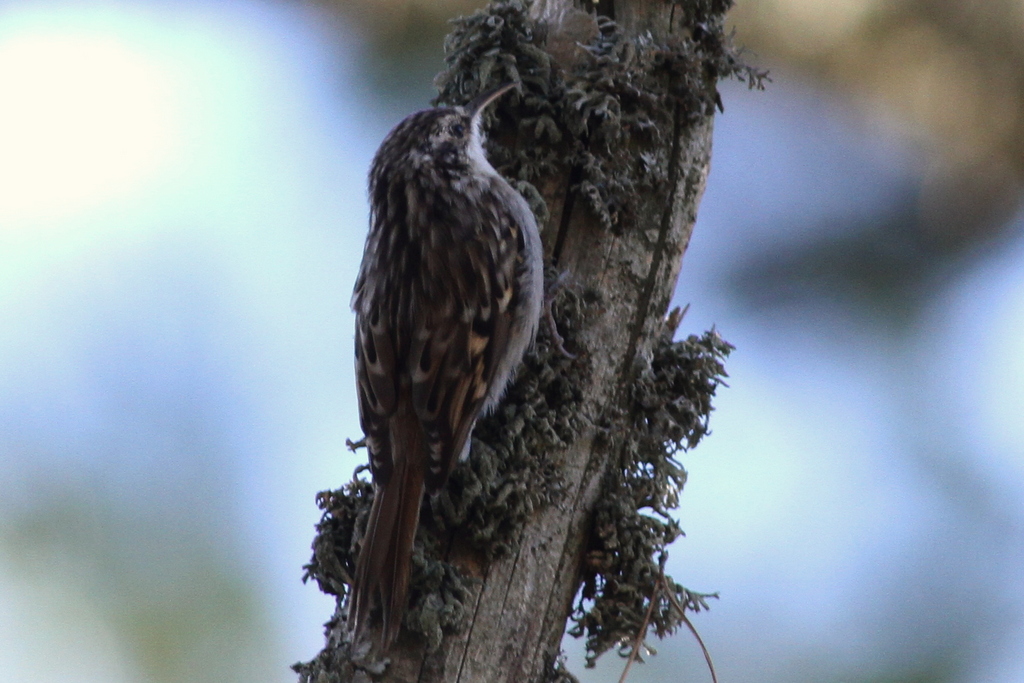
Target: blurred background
{"type": "Point", "coordinates": [182, 211]}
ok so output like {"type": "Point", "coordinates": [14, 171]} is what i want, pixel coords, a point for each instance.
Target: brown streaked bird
{"type": "Point", "coordinates": [447, 300]}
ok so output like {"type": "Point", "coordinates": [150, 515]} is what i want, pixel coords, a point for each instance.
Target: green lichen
{"type": "Point", "coordinates": [609, 116]}
{"type": "Point", "coordinates": [632, 525]}
{"type": "Point", "coordinates": [344, 511]}
{"type": "Point", "coordinates": [498, 45]}
{"type": "Point", "coordinates": [557, 672]}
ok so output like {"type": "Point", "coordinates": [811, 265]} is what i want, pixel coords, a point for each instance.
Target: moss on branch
{"type": "Point", "coordinates": [600, 109]}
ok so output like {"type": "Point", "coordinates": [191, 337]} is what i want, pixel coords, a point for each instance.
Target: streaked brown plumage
{"type": "Point", "coordinates": [447, 301]}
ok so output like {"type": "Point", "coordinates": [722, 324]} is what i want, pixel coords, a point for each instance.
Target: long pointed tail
{"type": "Point", "coordinates": [384, 561]}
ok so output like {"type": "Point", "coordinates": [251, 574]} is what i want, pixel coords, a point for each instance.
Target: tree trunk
{"type": "Point", "coordinates": [621, 200]}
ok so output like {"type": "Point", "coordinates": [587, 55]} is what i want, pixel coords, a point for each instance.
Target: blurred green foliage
{"type": "Point", "coordinates": [178, 608]}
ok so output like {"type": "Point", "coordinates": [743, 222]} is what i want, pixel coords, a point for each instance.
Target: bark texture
{"type": "Point", "coordinates": [617, 190]}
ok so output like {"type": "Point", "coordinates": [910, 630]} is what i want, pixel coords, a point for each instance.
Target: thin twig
{"type": "Point", "coordinates": [682, 615]}
{"type": "Point", "coordinates": [700, 641]}
{"type": "Point", "coordinates": [643, 629]}
{"type": "Point", "coordinates": [661, 584]}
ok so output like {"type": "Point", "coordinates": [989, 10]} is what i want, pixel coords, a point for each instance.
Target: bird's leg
{"type": "Point", "coordinates": [550, 290]}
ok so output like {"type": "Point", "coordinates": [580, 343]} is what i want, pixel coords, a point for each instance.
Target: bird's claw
{"type": "Point", "coordinates": [549, 297]}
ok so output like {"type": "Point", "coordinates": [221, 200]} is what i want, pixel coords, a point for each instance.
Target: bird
{"type": "Point", "coordinates": [447, 301]}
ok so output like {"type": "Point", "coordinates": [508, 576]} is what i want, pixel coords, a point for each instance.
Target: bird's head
{"type": "Point", "coordinates": [445, 139]}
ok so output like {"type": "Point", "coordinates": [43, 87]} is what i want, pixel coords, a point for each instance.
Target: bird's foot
{"type": "Point", "coordinates": [550, 290]}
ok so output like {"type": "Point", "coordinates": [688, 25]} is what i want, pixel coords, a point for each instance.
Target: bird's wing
{"type": "Point", "coordinates": [378, 385]}
{"type": "Point", "coordinates": [435, 305]}
{"type": "Point", "coordinates": [469, 294]}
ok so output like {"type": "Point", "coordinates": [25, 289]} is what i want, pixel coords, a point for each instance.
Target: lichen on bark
{"type": "Point", "coordinates": [633, 526]}
{"type": "Point", "coordinates": [588, 108]}
{"type": "Point", "coordinates": [597, 116]}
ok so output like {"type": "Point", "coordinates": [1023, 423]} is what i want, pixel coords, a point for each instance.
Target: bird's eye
{"type": "Point", "coordinates": [458, 130]}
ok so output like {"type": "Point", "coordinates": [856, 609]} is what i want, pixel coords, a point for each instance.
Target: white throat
{"type": "Point", "coordinates": [475, 150]}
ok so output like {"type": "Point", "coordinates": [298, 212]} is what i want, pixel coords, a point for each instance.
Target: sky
{"type": "Point", "coordinates": [182, 212]}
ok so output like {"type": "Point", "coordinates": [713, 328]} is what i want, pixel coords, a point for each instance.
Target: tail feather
{"type": "Point", "coordinates": [384, 562]}
{"type": "Point", "coordinates": [394, 585]}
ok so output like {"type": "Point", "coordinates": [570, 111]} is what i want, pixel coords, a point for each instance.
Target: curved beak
{"type": "Point", "coordinates": [480, 102]}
